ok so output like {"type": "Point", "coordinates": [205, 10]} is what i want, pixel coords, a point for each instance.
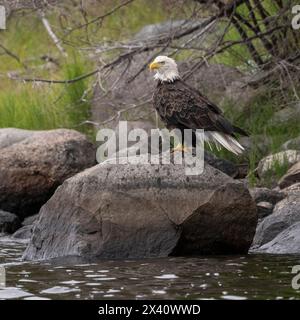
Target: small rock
{"type": "Point", "coordinates": [29, 220]}
{"type": "Point", "coordinates": [291, 177]}
{"type": "Point", "coordinates": [266, 195]}
{"type": "Point", "coordinates": [23, 233]}
{"type": "Point", "coordinates": [288, 157]}
{"type": "Point", "coordinates": [264, 209]}
{"type": "Point", "coordinates": [293, 144]}
{"type": "Point", "coordinates": [9, 222]}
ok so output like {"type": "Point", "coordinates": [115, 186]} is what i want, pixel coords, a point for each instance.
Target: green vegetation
{"type": "Point", "coordinates": [267, 134]}
{"type": "Point", "coordinates": [37, 105]}
{"type": "Point", "coordinates": [277, 170]}
{"type": "Point", "coordinates": [46, 106]}
{"type": "Point", "coordinates": [42, 106]}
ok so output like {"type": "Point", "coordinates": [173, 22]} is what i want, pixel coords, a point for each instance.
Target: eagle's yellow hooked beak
{"type": "Point", "coordinates": [154, 65]}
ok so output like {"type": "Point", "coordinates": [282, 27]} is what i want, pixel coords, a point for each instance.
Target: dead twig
{"type": "Point", "coordinates": [52, 35]}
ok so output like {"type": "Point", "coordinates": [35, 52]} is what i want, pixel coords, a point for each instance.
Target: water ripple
{"type": "Point", "coordinates": [215, 277]}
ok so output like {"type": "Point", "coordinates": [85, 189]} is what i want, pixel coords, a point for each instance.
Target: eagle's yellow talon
{"type": "Point", "coordinates": [181, 148]}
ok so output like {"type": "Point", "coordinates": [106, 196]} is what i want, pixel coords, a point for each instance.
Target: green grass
{"type": "Point", "coordinates": [277, 170]}
{"type": "Point", "coordinates": [76, 98]}
{"type": "Point", "coordinates": [255, 119]}
{"type": "Point", "coordinates": [33, 106]}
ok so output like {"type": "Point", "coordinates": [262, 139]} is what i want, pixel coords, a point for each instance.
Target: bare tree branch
{"type": "Point", "coordinates": [11, 54]}
{"type": "Point", "coordinates": [100, 18]}
{"type": "Point", "coordinates": [68, 81]}
{"type": "Point", "coordinates": [52, 35]}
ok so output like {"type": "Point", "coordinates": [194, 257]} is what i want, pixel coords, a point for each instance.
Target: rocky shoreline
{"type": "Point", "coordinates": [53, 192]}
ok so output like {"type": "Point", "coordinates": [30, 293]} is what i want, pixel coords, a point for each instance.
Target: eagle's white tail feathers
{"type": "Point", "coordinates": [225, 140]}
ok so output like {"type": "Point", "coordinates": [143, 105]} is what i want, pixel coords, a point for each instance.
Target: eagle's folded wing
{"type": "Point", "coordinates": [193, 111]}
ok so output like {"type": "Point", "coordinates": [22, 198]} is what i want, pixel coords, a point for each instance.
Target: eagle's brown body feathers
{"type": "Point", "coordinates": [183, 107]}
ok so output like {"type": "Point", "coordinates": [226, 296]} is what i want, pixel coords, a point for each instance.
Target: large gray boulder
{"type": "Point", "coordinates": [144, 210]}
{"type": "Point", "coordinates": [285, 214]}
{"type": "Point", "coordinates": [286, 242]}
{"type": "Point", "coordinates": [33, 165]}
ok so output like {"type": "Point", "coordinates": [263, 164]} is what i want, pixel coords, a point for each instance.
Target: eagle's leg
{"type": "Point", "coordinates": [182, 148]}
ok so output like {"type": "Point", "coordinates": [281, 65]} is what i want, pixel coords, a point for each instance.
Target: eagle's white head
{"type": "Point", "coordinates": [166, 69]}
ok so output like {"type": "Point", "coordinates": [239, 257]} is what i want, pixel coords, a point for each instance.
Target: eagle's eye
{"type": "Point", "coordinates": [162, 62]}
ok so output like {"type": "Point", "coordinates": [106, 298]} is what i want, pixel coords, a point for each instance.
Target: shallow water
{"type": "Point", "coordinates": [216, 277]}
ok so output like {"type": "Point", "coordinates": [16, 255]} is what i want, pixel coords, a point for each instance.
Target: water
{"type": "Point", "coordinates": [217, 277]}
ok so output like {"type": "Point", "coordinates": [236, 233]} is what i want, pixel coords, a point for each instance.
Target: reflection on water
{"type": "Point", "coordinates": [217, 277]}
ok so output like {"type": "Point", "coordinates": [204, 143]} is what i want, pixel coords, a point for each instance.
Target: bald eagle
{"type": "Point", "coordinates": [183, 107]}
